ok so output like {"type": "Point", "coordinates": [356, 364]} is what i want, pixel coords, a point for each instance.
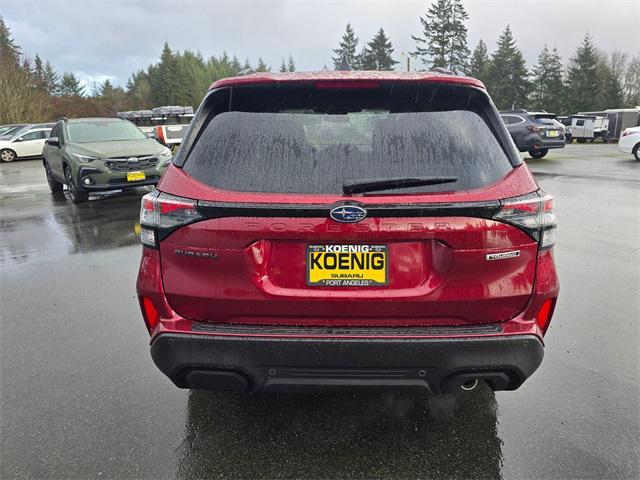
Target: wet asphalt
{"type": "Point", "coordinates": [81, 398]}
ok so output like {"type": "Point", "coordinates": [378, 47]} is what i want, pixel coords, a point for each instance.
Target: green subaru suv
{"type": "Point", "coordinates": [99, 154]}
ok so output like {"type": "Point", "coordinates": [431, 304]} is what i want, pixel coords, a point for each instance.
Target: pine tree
{"type": "Point", "coordinates": [347, 48]}
{"type": "Point", "coordinates": [583, 85]}
{"type": "Point", "coordinates": [547, 83]}
{"type": "Point", "coordinates": [50, 80]}
{"type": "Point", "coordinates": [443, 41]}
{"type": "Point", "coordinates": [611, 87]}
{"type": "Point", "coordinates": [262, 67]}
{"type": "Point", "coordinates": [507, 80]}
{"type": "Point", "coordinates": [479, 65]}
{"type": "Point", "coordinates": [70, 86]}
{"type": "Point", "coordinates": [283, 66]}
{"type": "Point", "coordinates": [377, 53]}
{"type": "Point", "coordinates": [9, 51]}
{"type": "Point", "coordinates": [291, 64]}
{"type": "Point", "coordinates": [38, 73]}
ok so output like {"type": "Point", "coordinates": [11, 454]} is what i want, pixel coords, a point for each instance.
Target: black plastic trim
{"type": "Point", "coordinates": [437, 365]}
{"type": "Point", "coordinates": [464, 209]}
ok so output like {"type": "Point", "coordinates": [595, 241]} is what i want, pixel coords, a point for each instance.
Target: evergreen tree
{"type": "Point", "coordinates": [443, 41]}
{"type": "Point", "coordinates": [583, 85]}
{"type": "Point", "coordinates": [548, 85]}
{"type": "Point", "coordinates": [139, 95]}
{"type": "Point", "coordinates": [9, 51]}
{"type": "Point", "coordinates": [262, 67]}
{"type": "Point", "coordinates": [479, 64]}
{"type": "Point", "coordinates": [283, 66]}
{"type": "Point", "coordinates": [507, 79]}
{"type": "Point", "coordinates": [347, 48]}
{"type": "Point", "coordinates": [50, 80]}
{"type": "Point", "coordinates": [70, 86]}
{"type": "Point", "coordinates": [39, 73]}
{"type": "Point", "coordinates": [291, 64]}
{"type": "Point", "coordinates": [611, 87]}
{"type": "Point", "coordinates": [377, 53]}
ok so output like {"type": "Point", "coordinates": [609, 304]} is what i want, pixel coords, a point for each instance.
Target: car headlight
{"type": "Point", "coordinates": [166, 153]}
{"type": "Point", "coordinates": [84, 158]}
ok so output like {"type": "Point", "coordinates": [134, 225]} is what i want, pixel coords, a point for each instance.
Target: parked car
{"type": "Point", "coordinates": [172, 124]}
{"type": "Point", "coordinates": [589, 128]}
{"type": "Point", "coordinates": [347, 229]}
{"type": "Point", "coordinates": [533, 135]}
{"type": "Point", "coordinates": [9, 129]}
{"type": "Point", "coordinates": [99, 154]}
{"type": "Point", "coordinates": [630, 142]}
{"type": "Point", "coordinates": [24, 143]}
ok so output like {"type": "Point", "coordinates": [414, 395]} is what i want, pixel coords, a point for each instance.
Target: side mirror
{"type": "Point", "coordinates": [53, 141]}
{"type": "Point", "coordinates": [19, 139]}
{"type": "Point", "coordinates": [151, 135]}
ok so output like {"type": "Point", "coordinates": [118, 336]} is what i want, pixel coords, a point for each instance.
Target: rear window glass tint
{"type": "Point", "coordinates": [317, 153]}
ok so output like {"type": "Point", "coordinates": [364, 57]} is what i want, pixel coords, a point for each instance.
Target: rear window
{"type": "Point", "coordinates": [314, 143]}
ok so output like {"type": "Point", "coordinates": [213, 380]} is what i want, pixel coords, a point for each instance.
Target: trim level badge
{"type": "Point", "coordinates": [503, 255]}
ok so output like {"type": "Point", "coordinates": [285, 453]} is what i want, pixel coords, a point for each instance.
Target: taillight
{"type": "Point", "coordinates": [533, 213]}
{"type": "Point", "coordinates": [533, 128]}
{"type": "Point", "coordinates": [160, 135]}
{"type": "Point", "coordinates": [161, 213]}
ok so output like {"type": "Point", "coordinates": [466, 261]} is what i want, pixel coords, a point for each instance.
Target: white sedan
{"type": "Point", "coordinates": [27, 143]}
{"type": "Point", "coordinates": [630, 142]}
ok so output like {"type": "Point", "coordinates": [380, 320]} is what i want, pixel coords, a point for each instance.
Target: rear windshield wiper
{"type": "Point", "coordinates": [377, 184]}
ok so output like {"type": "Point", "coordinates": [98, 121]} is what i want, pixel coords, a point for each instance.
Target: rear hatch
{"type": "Point", "coordinates": [375, 206]}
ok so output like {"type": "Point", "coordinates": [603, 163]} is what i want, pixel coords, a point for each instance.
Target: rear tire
{"type": "Point", "coordinates": [54, 185]}
{"type": "Point", "coordinates": [636, 152]}
{"type": "Point", "coordinates": [568, 138]}
{"type": "Point", "coordinates": [7, 155]}
{"type": "Point", "coordinates": [77, 195]}
{"type": "Point", "coordinates": [538, 153]}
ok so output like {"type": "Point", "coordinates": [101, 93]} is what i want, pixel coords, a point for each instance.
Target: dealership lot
{"type": "Point", "coordinates": [80, 396]}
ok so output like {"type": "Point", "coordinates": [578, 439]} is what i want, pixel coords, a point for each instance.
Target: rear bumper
{"type": "Point", "coordinates": [254, 363]}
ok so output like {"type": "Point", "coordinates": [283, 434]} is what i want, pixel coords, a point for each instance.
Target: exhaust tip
{"type": "Point", "coordinates": [469, 385]}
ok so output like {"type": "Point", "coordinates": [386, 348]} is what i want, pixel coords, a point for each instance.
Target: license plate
{"type": "Point", "coordinates": [553, 133]}
{"type": "Point", "coordinates": [347, 265]}
{"type": "Point", "coordinates": [135, 176]}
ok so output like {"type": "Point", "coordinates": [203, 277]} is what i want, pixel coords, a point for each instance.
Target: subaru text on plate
{"type": "Point", "coordinates": [347, 229]}
{"type": "Point", "coordinates": [101, 154]}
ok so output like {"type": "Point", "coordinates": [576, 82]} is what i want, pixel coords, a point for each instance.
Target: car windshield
{"type": "Point", "coordinates": [103, 131]}
{"type": "Point", "coordinates": [319, 143]}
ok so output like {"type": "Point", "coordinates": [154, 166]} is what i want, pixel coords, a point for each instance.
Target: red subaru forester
{"type": "Point", "coordinates": [347, 229]}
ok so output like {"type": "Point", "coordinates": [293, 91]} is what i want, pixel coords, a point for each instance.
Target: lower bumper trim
{"type": "Point", "coordinates": [268, 364]}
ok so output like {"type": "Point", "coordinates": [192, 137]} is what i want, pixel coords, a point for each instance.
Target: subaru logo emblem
{"type": "Point", "coordinates": [348, 213]}
{"type": "Point", "coordinates": [132, 160]}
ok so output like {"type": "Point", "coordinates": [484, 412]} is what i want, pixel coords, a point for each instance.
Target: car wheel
{"type": "Point", "coordinates": [539, 153]}
{"type": "Point", "coordinates": [7, 155]}
{"type": "Point", "coordinates": [54, 185]}
{"type": "Point", "coordinates": [636, 152]}
{"type": "Point", "coordinates": [568, 138]}
{"type": "Point", "coordinates": [77, 195]}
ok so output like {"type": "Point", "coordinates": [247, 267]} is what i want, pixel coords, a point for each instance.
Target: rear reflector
{"type": "Point", "coordinates": [544, 314]}
{"type": "Point", "coordinates": [150, 313]}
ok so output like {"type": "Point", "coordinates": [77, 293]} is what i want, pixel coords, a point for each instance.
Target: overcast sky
{"type": "Point", "coordinates": [111, 39]}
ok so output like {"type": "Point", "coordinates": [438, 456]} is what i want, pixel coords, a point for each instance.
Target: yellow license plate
{"type": "Point", "coordinates": [135, 176]}
{"type": "Point", "coordinates": [553, 133]}
{"type": "Point", "coordinates": [347, 265]}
